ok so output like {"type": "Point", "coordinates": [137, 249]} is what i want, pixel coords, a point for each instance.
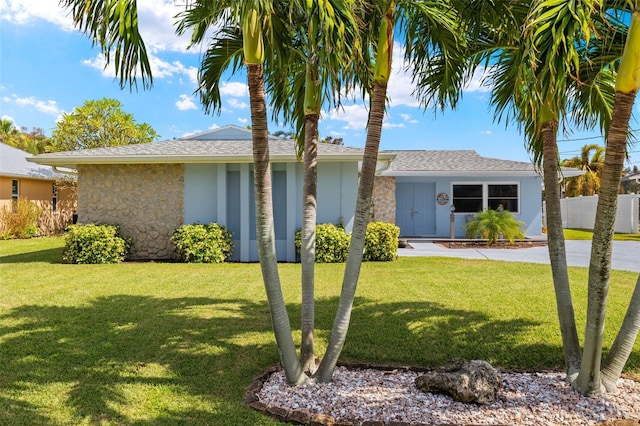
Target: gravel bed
{"type": "Point", "coordinates": [359, 395]}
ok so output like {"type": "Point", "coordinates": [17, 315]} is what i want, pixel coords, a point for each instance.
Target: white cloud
{"type": "Point", "coordinates": [159, 68]}
{"type": "Point", "coordinates": [185, 103]}
{"type": "Point", "coordinates": [387, 125]}
{"type": "Point", "coordinates": [408, 118]}
{"type": "Point", "coordinates": [486, 132]}
{"type": "Point", "coordinates": [99, 63]}
{"type": "Point", "coordinates": [156, 20]}
{"type": "Point", "coordinates": [25, 12]}
{"type": "Point", "coordinates": [235, 89]}
{"type": "Point", "coordinates": [355, 116]}
{"type": "Point", "coordinates": [478, 83]}
{"type": "Point", "coordinates": [214, 126]}
{"type": "Point", "coordinates": [243, 120]}
{"type": "Point", "coordinates": [48, 107]}
{"type": "Point", "coordinates": [9, 118]}
{"type": "Point", "coordinates": [400, 88]}
{"type": "Point", "coordinates": [236, 104]}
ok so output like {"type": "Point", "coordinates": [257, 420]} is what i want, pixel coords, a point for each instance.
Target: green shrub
{"type": "Point", "coordinates": [332, 243]}
{"type": "Point", "coordinates": [198, 243]}
{"type": "Point", "coordinates": [95, 243]}
{"type": "Point", "coordinates": [19, 220]}
{"type": "Point", "coordinates": [493, 225]}
{"type": "Point", "coordinates": [381, 242]}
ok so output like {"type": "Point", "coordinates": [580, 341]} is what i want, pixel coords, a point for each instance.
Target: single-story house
{"type": "Point", "coordinates": [151, 189]}
{"type": "Point", "coordinates": [20, 178]}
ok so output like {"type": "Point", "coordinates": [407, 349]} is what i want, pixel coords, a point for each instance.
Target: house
{"type": "Point", "coordinates": [423, 191]}
{"type": "Point", "coordinates": [151, 189]}
{"type": "Point", "coordinates": [20, 178]}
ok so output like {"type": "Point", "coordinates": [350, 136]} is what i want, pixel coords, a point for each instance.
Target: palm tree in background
{"type": "Point", "coordinates": [590, 162]}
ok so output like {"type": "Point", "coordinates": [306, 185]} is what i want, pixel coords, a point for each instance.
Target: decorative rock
{"type": "Point", "coordinates": [474, 381]}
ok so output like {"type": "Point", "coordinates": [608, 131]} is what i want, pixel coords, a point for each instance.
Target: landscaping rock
{"type": "Point", "coordinates": [473, 381]}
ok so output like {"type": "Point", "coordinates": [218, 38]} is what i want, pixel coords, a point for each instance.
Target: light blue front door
{"type": "Point", "coordinates": [416, 209]}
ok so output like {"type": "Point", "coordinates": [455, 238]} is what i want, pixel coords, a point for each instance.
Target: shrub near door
{"type": "Point", "coordinates": [198, 243]}
{"type": "Point", "coordinates": [381, 242]}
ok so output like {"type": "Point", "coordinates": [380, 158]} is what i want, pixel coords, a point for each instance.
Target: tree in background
{"type": "Point", "coordinates": [591, 164]}
{"type": "Point", "coordinates": [99, 123]}
{"type": "Point", "coordinates": [33, 142]}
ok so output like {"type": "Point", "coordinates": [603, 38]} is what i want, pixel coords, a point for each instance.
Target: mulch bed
{"type": "Point", "coordinates": [483, 244]}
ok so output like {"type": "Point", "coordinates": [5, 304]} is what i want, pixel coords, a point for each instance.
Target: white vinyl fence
{"type": "Point", "coordinates": [580, 212]}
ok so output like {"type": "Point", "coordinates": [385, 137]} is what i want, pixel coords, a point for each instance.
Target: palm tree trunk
{"type": "Point", "coordinates": [265, 233]}
{"type": "Point", "coordinates": [557, 251]}
{"type": "Point", "coordinates": [623, 345]}
{"type": "Point", "coordinates": [308, 249]}
{"type": "Point", "coordinates": [356, 248]}
{"type": "Point", "coordinates": [589, 379]}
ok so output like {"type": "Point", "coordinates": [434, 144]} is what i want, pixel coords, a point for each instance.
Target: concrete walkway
{"type": "Point", "coordinates": [626, 254]}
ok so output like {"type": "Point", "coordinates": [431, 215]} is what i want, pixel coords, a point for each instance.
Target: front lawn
{"type": "Point", "coordinates": [169, 343]}
{"type": "Point", "coordinates": [587, 234]}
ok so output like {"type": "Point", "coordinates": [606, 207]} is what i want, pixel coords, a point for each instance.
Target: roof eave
{"type": "Point", "coordinates": [463, 173]}
{"type": "Point", "coordinates": [23, 176]}
{"type": "Point", "coordinates": [73, 161]}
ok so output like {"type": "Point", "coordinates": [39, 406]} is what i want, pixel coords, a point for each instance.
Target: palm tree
{"type": "Point", "coordinates": [566, 56]}
{"type": "Point", "coordinates": [591, 164]}
{"type": "Point", "coordinates": [113, 25]}
{"type": "Point", "coordinates": [433, 25]}
{"type": "Point", "coordinates": [592, 379]}
{"type": "Point", "coordinates": [302, 73]}
{"type": "Point", "coordinates": [536, 75]}
{"type": "Point", "coordinates": [317, 54]}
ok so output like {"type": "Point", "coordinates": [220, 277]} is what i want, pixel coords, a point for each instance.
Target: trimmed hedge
{"type": "Point", "coordinates": [95, 243]}
{"type": "Point", "coordinates": [332, 243]}
{"type": "Point", "coordinates": [381, 242]}
{"type": "Point", "coordinates": [198, 243]}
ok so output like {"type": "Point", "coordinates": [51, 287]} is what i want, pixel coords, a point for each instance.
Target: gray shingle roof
{"type": "Point", "coordinates": [204, 147]}
{"type": "Point", "coordinates": [453, 161]}
{"type": "Point", "coordinates": [13, 162]}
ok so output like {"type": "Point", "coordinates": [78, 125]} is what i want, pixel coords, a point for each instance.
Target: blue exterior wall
{"type": "Point", "coordinates": [530, 199]}
{"type": "Point", "coordinates": [223, 193]}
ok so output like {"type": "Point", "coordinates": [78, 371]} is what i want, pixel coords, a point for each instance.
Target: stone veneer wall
{"type": "Point", "coordinates": [146, 200]}
{"type": "Point", "coordinates": [384, 199]}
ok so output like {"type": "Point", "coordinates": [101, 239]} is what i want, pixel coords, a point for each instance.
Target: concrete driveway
{"type": "Point", "coordinates": [626, 254]}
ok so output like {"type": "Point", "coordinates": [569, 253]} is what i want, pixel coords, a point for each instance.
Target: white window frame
{"type": "Point", "coordinates": [485, 192]}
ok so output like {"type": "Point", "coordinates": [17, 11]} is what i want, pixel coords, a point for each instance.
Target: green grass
{"type": "Point", "coordinates": [587, 234]}
{"type": "Point", "coordinates": [169, 343]}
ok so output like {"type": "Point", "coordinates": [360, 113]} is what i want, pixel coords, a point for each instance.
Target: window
{"type": "Point", "coordinates": [475, 197]}
{"type": "Point", "coordinates": [467, 198]}
{"type": "Point", "coordinates": [505, 195]}
{"type": "Point", "coordinates": [15, 193]}
{"type": "Point", "coordinates": [54, 198]}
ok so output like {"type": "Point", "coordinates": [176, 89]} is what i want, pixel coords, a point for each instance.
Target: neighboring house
{"type": "Point", "coordinates": [20, 178]}
{"type": "Point", "coordinates": [419, 189]}
{"type": "Point", "coordinates": [150, 189]}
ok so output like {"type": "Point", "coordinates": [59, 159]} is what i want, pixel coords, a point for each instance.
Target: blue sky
{"type": "Point", "coordinates": [47, 68]}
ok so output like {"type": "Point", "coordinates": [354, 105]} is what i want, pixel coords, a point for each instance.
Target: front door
{"type": "Point", "coordinates": [415, 209]}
